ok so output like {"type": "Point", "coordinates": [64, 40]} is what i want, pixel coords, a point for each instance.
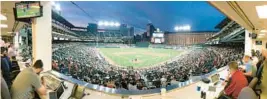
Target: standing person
{"type": "Point", "coordinates": [163, 81]}
{"type": "Point", "coordinates": [11, 51]}
{"type": "Point", "coordinates": [28, 81]}
{"type": "Point", "coordinates": [5, 66]}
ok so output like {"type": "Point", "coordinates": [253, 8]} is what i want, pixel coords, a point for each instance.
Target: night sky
{"type": "Point", "coordinates": [201, 16]}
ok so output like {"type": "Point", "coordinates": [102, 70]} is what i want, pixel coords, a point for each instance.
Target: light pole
{"type": "Point", "coordinates": [182, 28]}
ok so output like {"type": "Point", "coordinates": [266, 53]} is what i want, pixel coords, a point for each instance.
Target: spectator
{"type": "Point", "coordinates": [163, 81]}
{"type": "Point", "coordinates": [5, 67]}
{"type": "Point", "coordinates": [235, 82]}
{"type": "Point", "coordinates": [173, 81]}
{"type": "Point", "coordinates": [24, 89]}
{"type": "Point", "coordinates": [85, 62]}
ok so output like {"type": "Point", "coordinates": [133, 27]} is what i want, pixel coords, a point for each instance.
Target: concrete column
{"type": "Point", "coordinates": [42, 36]}
{"type": "Point", "coordinates": [248, 43]}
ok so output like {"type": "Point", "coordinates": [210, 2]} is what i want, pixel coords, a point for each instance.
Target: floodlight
{"type": "Point", "coordinates": [57, 6]}
{"type": "Point", "coordinates": [112, 23]}
{"type": "Point", "coordinates": [53, 3]}
{"type": "Point", "coordinates": [100, 23]}
{"type": "Point", "coordinates": [117, 24]}
{"type": "Point", "coordinates": [106, 23]}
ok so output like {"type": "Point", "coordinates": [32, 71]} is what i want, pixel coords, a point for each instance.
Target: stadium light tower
{"type": "Point", "coordinates": [57, 6]}
{"type": "Point", "coordinates": [53, 3]}
{"type": "Point", "coordinates": [182, 28]}
{"type": "Point", "coordinates": [100, 23]}
{"type": "Point", "coordinates": [117, 24]}
{"type": "Point", "coordinates": [107, 23]}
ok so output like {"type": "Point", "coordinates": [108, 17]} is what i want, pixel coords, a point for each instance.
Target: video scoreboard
{"type": "Point", "coordinates": [158, 37]}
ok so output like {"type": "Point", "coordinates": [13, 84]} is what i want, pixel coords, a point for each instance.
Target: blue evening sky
{"type": "Point", "coordinates": [200, 15]}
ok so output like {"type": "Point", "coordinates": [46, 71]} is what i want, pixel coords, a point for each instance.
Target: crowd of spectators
{"type": "Point", "coordinates": [83, 62]}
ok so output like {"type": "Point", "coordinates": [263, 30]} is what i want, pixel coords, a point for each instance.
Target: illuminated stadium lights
{"type": "Point", "coordinates": [106, 23]}
{"type": "Point", "coordinates": [53, 2]}
{"type": "Point", "coordinates": [182, 28]}
{"type": "Point", "coordinates": [57, 6]}
{"type": "Point", "coordinates": [117, 24]}
{"type": "Point", "coordinates": [112, 24]}
{"type": "Point", "coordinates": [100, 23]}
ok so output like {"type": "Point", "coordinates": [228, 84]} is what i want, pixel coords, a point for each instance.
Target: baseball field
{"type": "Point", "coordinates": [24, 12]}
{"type": "Point", "coordinates": [138, 57]}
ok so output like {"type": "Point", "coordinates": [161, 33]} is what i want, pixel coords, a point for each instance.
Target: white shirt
{"type": "Point", "coordinates": [163, 81]}
{"type": "Point", "coordinates": [132, 87]}
{"type": "Point", "coordinates": [255, 61]}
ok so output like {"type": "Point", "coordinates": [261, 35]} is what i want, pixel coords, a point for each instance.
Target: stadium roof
{"type": "Point", "coordinates": [61, 19]}
{"type": "Point", "coordinates": [223, 23]}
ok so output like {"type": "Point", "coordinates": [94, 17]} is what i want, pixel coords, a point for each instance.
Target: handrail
{"type": "Point", "coordinates": [131, 92]}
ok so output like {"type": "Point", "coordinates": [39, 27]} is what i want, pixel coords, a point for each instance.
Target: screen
{"type": "Point", "coordinates": [60, 90]}
{"type": "Point", "coordinates": [258, 42]}
{"type": "Point", "coordinates": [158, 38]}
{"type": "Point", "coordinates": [215, 78]}
{"type": "Point", "coordinates": [158, 35]}
{"type": "Point", "coordinates": [28, 10]}
{"type": "Point", "coordinates": [53, 95]}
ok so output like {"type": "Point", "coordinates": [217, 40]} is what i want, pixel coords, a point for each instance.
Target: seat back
{"type": "Point", "coordinates": [259, 72]}
{"type": "Point", "coordinates": [253, 82]}
{"type": "Point", "coordinates": [247, 93]}
{"type": "Point", "coordinates": [4, 89]}
{"type": "Point", "coordinates": [74, 90]}
{"type": "Point", "coordinates": [79, 93]}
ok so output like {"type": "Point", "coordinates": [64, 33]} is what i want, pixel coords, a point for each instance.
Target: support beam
{"type": "Point", "coordinates": [42, 36]}
{"type": "Point", "coordinates": [248, 43]}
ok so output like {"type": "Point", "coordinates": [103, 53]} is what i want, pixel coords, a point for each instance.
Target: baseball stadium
{"type": "Point", "coordinates": [138, 57]}
{"type": "Point", "coordinates": [133, 50]}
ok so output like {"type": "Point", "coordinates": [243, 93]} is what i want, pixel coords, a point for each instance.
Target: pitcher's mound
{"type": "Point", "coordinates": [136, 60]}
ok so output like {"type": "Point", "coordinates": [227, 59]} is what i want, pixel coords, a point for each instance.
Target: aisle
{"type": "Point", "coordinates": [264, 82]}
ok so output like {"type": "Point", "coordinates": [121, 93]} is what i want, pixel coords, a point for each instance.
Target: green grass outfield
{"type": "Point", "coordinates": [145, 56]}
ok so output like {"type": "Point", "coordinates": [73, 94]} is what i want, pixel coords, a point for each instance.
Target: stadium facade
{"type": "Point", "coordinates": [187, 38]}
{"type": "Point", "coordinates": [63, 30]}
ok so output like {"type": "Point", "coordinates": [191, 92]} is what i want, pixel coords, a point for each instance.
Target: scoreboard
{"type": "Point", "coordinates": [158, 38]}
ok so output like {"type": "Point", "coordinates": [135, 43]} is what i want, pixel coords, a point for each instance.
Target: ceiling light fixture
{"type": "Point", "coordinates": [2, 17]}
{"type": "Point", "coordinates": [261, 10]}
{"type": "Point", "coordinates": [3, 26]}
{"type": "Point", "coordinates": [263, 31]}
{"type": "Point", "coordinates": [262, 34]}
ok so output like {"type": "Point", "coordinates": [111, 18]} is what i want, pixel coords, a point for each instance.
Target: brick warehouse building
{"type": "Point", "coordinates": [187, 38]}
